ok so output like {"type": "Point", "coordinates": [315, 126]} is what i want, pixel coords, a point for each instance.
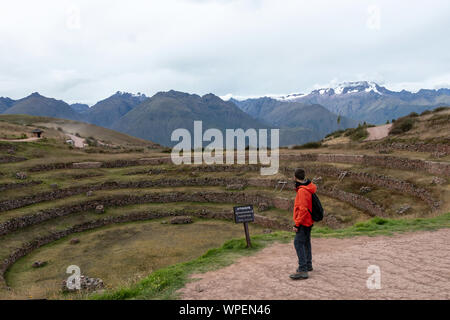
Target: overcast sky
{"type": "Point", "coordinates": [84, 51]}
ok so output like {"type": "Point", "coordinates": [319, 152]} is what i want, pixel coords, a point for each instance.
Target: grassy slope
{"type": "Point", "coordinates": [163, 283]}
{"type": "Point", "coordinates": [429, 127]}
{"type": "Point", "coordinates": [85, 130]}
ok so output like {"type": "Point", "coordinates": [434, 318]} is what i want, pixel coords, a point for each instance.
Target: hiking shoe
{"type": "Point", "coordinates": [310, 269]}
{"type": "Point", "coordinates": [299, 276]}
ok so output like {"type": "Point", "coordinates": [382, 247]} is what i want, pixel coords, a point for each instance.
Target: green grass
{"type": "Point", "coordinates": [163, 283]}
{"type": "Point", "coordinates": [381, 226]}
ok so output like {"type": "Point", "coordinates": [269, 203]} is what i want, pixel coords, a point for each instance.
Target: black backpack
{"type": "Point", "coordinates": [317, 210]}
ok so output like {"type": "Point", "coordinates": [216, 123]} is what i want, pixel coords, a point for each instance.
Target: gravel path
{"type": "Point", "coordinates": [78, 142]}
{"type": "Point", "coordinates": [20, 140]}
{"type": "Point", "coordinates": [379, 132]}
{"type": "Point", "coordinates": [413, 266]}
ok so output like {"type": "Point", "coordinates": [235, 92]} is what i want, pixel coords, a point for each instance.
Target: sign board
{"type": "Point", "coordinates": [244, 214]}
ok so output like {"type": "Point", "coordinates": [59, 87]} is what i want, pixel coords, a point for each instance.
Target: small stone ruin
{"type": "Point", "coordinates": [181, 220]}
{"type": "Point", "coordinates": [100, 209]}
{"type": "Point", "coordinates": [263, 206]}
{"type": "Point", "coordinates": [235, 187]}
{"type": "Point", "coordinates": [365, 189]}
{"type": "Point", "coordinates": [21, 175]}
{"type": "Point", "coordinates": [39, 264]}
{"type": "Point", "coordinates": [86, 284]}
{"type": "Point", "coordinates": [403, 209]}
{"type": "Point", "coordinates": [74, 241]}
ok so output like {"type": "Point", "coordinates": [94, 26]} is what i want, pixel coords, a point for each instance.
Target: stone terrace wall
{"type": "Point", "coordinates": [12, 204]}
{"type": "Point", "coordinates": [13, 224]}
{"type": "Point", "coordinates": [374, 179]}
{"type": "Point", "coordinates": [357, 201]}
{"type": "Point", "coordinates": [106, 164]}
{"type": "Point", "coordinates": [10, 159]}
{"type": "Point", "coordinates": [438, 168]}
{"type": "Point", "coordinates": [414, 147]}
{"type": "Point", "coordinates": [124, 200]}
{"type": "Point", "coordinates": [17, 185]}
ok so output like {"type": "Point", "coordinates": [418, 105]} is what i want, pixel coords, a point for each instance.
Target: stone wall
{"type": "Point", "coordinates": [13, 224]}
{"type": "Point", "coordinates": [106, 164]}
{"type": "Point", "coordinates": [9, 159]}
{"type": "Point", "coordinates": [438, 168]}
{"type": "Point", "coordinates": [17, 185]}
{"type": "Point", "coordinates": [124, 200]}
{"type": "Point", "coordinates": [383, 181]}
{"type": "Point", "coordinates": [413, 147]}
{"type": "Point", "coordinates": [12, 204]}
{"type": "Point", "coordinates": [357, 201]}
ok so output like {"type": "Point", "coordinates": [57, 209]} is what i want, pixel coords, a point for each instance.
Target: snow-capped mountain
{"type": "Point", "coordinates": [104, 113]}
{"type": "Point", "coordinates": [368, 101]}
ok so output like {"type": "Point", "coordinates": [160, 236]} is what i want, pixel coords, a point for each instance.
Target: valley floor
{"type": "Point", "coordinates": [413, 266]}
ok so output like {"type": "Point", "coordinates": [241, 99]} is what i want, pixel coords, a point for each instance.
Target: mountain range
{"type": "Point", "coordinates": [37, 105]}
{"type": "Point", "coordinates": [157, 117]}
{"type": "Point", "coordinates": [301, 122]}
{"type": "Point", "coordinates": [301, 117]}
{"type": "Point", "coordinates": [367, 101]}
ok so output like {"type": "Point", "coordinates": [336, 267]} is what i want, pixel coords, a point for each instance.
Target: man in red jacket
{"type": "Point", "coordinates": [303, 224]}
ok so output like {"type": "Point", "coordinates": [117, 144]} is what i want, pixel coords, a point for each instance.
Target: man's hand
{"type": "Point", "coordinates": [295, 229]}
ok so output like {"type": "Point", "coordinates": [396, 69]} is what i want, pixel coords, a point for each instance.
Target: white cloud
{"type": "Point", "coordinates": [86, 50]}
{"type": "Point", "coordinates": [374, 18]}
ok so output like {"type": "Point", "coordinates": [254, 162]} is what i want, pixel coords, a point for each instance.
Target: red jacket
{"type": "Point", "coordinates": [303, 203]}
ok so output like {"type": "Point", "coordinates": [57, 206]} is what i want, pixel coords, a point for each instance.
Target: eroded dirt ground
{"type": "Point", "coordinates": [413, 266]}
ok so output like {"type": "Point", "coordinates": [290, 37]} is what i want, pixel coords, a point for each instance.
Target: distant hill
{"type": "Point", "coordinates": [80, 107]}
{"type": "Point", "coordinates": [301, 122]}
{"type": "Point", "coordinates": [5, 103]}
{"type": "Point", "coordinates": [156, 118]}
{"type": "Point", "coordinates": [59, 128]}
{"type": "Point", "coordinates": [37, 105]}
{"type": "Point", "coordinates": [106, 112]}
{"type": "Point", "coordinates": [367, 101]}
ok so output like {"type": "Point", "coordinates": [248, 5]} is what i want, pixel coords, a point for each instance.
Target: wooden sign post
{"type": "Point", "coordinates": [244, 214]}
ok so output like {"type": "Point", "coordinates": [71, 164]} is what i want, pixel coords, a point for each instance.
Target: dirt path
{"type": "Point", "coordinates": [379, 132]}
{"type": "Point", "coordinates": [20, 140]}
{"type": "Point", "coordinates": [78, 142]}
{"type": "Point", "coordinates": [413, 266]}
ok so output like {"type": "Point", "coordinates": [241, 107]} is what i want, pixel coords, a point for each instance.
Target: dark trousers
{"type": "Point", "coordinates": [302, 243]}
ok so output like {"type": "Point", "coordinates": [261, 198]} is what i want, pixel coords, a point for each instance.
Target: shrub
{"type": "Point", "coordinates": [413, 115]}
{"type": "Point", "coordinates": [309, 145]}
{"type": "Point", "coordinates": [357, 134]}
{"type": "Point", "coordinates": [335, 134]}
{"type": "Point", "coordinates": [91, 142]}
{"type": "Point", "coordinates": [440, 109]}
{"type": "Point", "coordinates": [425, 112]}
{"type": "Point", "coordinates": [402, 125]}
